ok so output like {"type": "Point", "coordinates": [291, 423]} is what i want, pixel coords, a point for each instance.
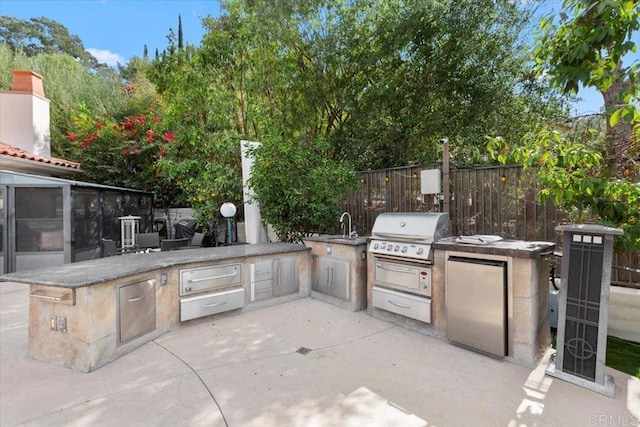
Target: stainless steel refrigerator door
{"type": "Point", "coordinates": [476, 304]}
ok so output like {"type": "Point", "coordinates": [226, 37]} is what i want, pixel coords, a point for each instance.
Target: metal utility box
{"type": "Point", "coordinates": [583, 307]}
{"type": "Point", "coordinates": [430, 181]}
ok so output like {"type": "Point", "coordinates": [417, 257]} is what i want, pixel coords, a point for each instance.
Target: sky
{"type": "Point", "coordinates": [115, 30]}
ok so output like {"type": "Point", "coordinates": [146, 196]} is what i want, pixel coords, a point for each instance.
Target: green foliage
{"type": "Point", "coordinates": [124, 153]}
{"type": "Point", "coordinates": [593, 176]}
{"type": "Point", "coordinates": [574, 176]}
{"type": "Point", "coordinates": [299, 190]}
{"type": "Point", "coordinates": [207, 172]}
{"type": "Point", "coordinates": [417, 71]}
{"type": "Point", "coordinates": [43, 35]}
{"type": "Point", "coordinates": [67, 83]}
{"type": "Point", "coordinates": [585, 47]}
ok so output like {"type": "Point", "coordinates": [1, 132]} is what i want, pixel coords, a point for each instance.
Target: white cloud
{"type": "Point", "coordinates": [106, 57]}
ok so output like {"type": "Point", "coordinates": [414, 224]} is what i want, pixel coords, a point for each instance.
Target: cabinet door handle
{"type": "Point", "coordinates": [214, 304]}
{"type": "Point", "coordinates": [136, 299]}
{"type": "Point", "coordinates": [223, 276]}
{"type": "Point", "coordinates": [397, 304]}
{"type": "Point", "coordinates": [397, 269]}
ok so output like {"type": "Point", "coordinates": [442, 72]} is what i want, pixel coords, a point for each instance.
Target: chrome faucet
{"type": "Point", "coordinates": [344, 231]}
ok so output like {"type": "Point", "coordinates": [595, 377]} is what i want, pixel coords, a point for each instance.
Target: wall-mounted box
{"type": "Point", "coordinates": [430, 181]}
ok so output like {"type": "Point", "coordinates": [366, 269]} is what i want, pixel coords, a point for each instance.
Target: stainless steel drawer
{"type": "Point", "coordinates": [415, 307]}
{"type": "Point", "coordinates": [203, 279]}
{"type": "Point", "coordinates": [207, 304]}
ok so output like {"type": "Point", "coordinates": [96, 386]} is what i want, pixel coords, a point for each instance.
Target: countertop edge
{"type": "Point", "coordinates": [536, 251]}
{"type": "Point", "coordinates": [101, 270]}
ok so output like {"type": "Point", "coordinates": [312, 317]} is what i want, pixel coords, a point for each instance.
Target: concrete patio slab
{"type": "Point", "coordinates": [303, 363]}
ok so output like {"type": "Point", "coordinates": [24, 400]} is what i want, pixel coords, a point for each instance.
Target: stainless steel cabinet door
{"type": "Point", "coordinates": [333, 277]}
{"type": "Point", "coordinates": [286, 276]}
{"type": "Point", "coordinates": [476, 304]}
{"type": "Point", "coordinates": [136, 310]}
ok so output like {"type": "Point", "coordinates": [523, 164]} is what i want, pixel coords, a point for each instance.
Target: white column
{"type": "Point", "coordinates": [255, 231]}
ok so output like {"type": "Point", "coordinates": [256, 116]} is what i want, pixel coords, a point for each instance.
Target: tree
{"type": "Point", "coordinates": [180, 41]}
{"type": "Point", "coordinates": [592, 175]}
{"type": "Point", "coordinates": [298, 187]}
{"type": "Point", "coordinates": [43, 35]}
{"type": "Point", "coordinates": [422, 70]}
{"type": "Point", "coordinates": [68, 84]}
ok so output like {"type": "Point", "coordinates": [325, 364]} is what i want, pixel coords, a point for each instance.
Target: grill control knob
{"type": "Point", "coordinates": [390, 248]}
{"type": "Point", "coordinates": [404, 249]}
{"type": "Point", "coordinates": [376, 245]}
{"type": "Point", "coordinates": [383, 245]}
{"type": "Point", "coordinates": [420, 251]}
{"type": "Point", "coordinates": [397, 248]}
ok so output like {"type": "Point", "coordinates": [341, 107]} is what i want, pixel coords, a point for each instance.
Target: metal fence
{"type": "Point", "coordinates": [498, 200]}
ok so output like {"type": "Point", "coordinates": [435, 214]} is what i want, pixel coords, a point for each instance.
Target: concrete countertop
{"type": "Point", "coordinates": [95, 271]}
{"type": "Point", "coordinates": [510, 248]}
{"type": "Point", "coordinates": [338, 239]}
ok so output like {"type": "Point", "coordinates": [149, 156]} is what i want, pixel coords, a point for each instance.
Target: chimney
{"type": "Point", "coordinates": [27, 81]}
{"type": "Point", "coordinates": [24, 114]}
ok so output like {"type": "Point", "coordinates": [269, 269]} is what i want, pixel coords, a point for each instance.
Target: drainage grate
{"type": "Point", "coordinates": [303, 350]}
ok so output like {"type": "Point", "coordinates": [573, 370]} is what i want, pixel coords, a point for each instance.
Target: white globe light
{"type": "Point", "coordinates": [228, 209]}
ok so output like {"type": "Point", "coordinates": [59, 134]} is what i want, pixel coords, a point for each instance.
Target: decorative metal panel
{"type": "Point", "coordinates": [583, 305]}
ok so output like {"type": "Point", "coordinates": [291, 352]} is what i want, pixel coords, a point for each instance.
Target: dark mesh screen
{"type": "Point", "coordinates": [39, 219]}
{"type": "Point", "coordinates": [583, 308]}
{"type": "Point", "coordinates": [86, 219]}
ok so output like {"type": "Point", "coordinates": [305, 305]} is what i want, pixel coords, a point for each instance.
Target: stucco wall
{"type": "Point", "coordinates": [624, 313]}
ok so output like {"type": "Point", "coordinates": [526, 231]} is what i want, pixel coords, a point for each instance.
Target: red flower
{"type": "Point", "coordinates": [168, 136]}
{"type": "Point", "coordinates": [72, 137]}
{"type": "Point", "coordinates": [99, 125]}
{"type": "Point", "coordinates": [128, 124]}
{"type": "Point", "coordinates": [85, 144]}
{"type": "Point", "coordinates": [141, 119]}
{"type": "Point", "coordinates": [150, 134]}
{"type": "Point", "coordinates": [125, 152]}
{"type": "Point", "coordinates": [157, 119]}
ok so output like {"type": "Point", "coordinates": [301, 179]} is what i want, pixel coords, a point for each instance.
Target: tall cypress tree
{"type": "Point", "coordinates": [180, 45]}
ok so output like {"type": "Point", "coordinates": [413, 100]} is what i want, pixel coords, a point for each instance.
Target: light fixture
{"type": "Point", "coordinates": [386, 179]}
{"type": "Point", "coordinates": [228, 210]}
{"type": "Point", "coordinates": [503, 179]}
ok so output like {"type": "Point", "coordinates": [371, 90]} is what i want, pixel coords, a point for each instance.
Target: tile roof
{"type": "Point", "coordinates": [11, 151]}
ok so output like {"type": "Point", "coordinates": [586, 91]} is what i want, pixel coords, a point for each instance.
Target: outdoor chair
{"type": "Point", "coordinates": [148, 240]}
{"type": "Point", "coordinates": [109, 247]}
{"type": "Point", "coordinates": [169, 244]}
{"type": "Point", "coordinates": [197, 239]}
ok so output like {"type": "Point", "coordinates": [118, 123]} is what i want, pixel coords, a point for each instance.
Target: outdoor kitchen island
{"type": "Point", "coordinates": [86, 314]}
{"type": "Point", "coordinates": [496, 295]}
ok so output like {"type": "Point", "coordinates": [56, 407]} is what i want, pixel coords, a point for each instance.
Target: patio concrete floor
{"type": "Point", "coordinates": [246, 370]}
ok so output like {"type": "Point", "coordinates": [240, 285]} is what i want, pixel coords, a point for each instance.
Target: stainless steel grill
{"type": "Point", "coordinates": [408, 235]}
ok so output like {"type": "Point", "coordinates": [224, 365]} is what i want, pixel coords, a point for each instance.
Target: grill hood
{"type": "Point", "coordinates": [418, 227]}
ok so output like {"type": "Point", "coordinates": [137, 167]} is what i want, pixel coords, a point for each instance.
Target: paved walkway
{"type": "Point", "coordinates": [304, 363]}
